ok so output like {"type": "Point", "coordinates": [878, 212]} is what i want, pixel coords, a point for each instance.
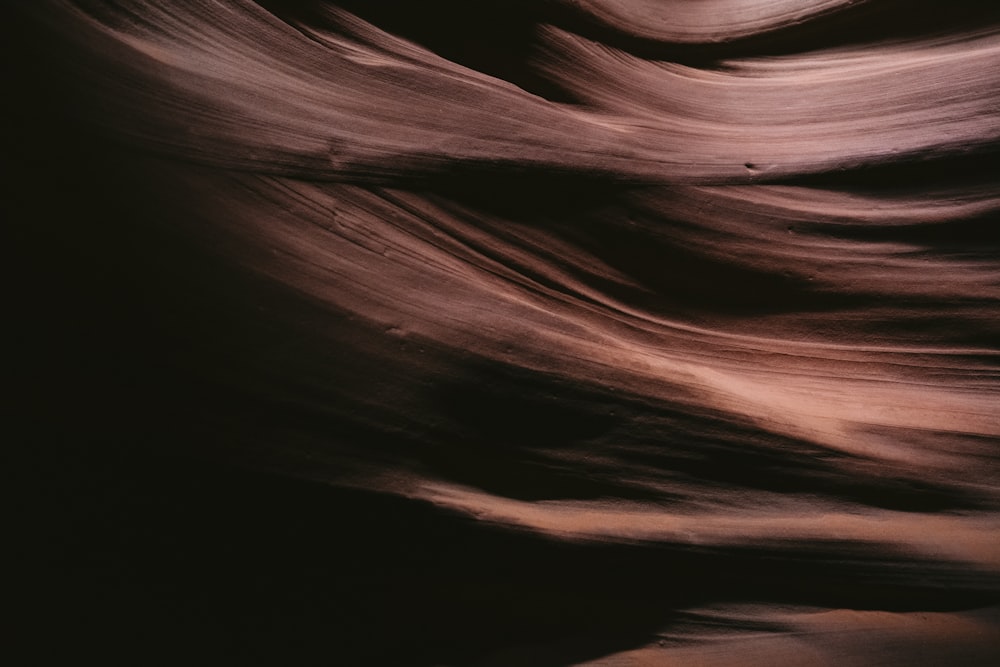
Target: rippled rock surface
{"type": "Point", "coordinates": [611, 332]}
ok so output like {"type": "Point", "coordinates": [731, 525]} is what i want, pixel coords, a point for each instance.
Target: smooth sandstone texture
{"type": "Point", "coordinates": [598, 332]}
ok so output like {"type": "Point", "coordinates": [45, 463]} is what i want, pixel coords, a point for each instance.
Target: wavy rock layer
{"type": "Point", "coordinates": [607, 332]}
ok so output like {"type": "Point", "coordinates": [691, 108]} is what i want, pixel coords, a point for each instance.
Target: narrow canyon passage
{"type": "Point", "coordinates": [556, 332]}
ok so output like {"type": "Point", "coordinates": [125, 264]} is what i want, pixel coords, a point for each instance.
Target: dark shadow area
{"type": "Point", "coordinates": [962, 168]}
{"type": "Point", "coordinates": [516, 433]}
{"type": "Point", "coordinates": [160, 559]}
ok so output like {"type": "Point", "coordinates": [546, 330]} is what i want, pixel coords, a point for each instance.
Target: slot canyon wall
{"type": "Point", "coordinates": [552, 332]}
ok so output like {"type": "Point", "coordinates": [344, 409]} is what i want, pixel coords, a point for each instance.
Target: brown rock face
{"type": "Point", "coordinates": [612, 332]}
